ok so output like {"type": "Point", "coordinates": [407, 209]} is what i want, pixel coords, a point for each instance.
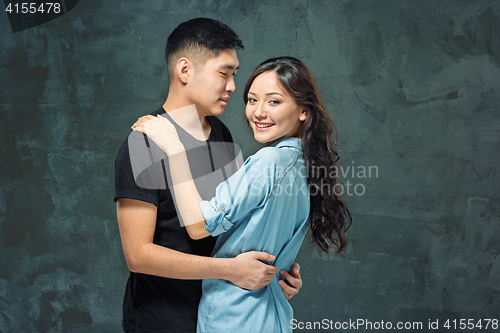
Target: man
{"type": "Point", "coordinates": [164, 287]}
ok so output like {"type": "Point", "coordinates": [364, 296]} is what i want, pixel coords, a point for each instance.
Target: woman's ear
{"type": "Point", "coordinates": [303, 115]}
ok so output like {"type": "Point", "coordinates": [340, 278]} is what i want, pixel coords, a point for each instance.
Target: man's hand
{"type": "Point", "coordinates": [294, 281]}
{"type": "Point", "coordinates": [250, 273]}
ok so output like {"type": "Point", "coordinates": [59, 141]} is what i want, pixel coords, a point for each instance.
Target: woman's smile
{"type": "Point", "coordinates": [260, 126]}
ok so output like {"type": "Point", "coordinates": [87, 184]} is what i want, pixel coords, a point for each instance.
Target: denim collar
{"type": "Point", "coordinates": [288, 142]}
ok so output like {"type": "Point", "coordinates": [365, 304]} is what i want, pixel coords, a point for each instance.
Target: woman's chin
{"type": "Point", "coordinates": [258, 139]}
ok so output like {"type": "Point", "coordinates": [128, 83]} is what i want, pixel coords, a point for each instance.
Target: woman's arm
{"type": "Point", "coordinates": [164, 135]}
{"type": "Point", "coordinates": [186, 195]}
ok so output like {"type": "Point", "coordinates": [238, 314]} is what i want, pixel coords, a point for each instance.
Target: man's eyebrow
{"type": "Point", "coordinates": [228, 66]}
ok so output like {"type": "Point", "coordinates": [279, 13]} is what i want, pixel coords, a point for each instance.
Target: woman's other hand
{"type": "Point", "coordinates": [294, 281]}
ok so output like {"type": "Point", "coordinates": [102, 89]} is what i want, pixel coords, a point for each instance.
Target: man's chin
{"type": "Point", "coordinates": [215, 111]}
{"type": "Point", "coordinates": [218, 112]}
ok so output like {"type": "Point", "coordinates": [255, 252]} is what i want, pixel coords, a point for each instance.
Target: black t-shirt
{"type": "Point", "coordinates": [156, 304]}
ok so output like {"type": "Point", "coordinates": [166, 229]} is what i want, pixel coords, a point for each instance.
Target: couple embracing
{"type": "Point", "coordinates": [208, 262]}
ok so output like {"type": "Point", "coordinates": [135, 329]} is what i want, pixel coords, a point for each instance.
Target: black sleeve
{"type": "Point", "coordinates": [125, 185]}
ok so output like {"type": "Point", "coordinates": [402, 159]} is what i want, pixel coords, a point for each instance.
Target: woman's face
{"type": "Point", "coordinates": [272, 112]}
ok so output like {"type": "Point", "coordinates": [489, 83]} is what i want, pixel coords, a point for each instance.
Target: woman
{"type": "Point", "coordinates": [269, 203]}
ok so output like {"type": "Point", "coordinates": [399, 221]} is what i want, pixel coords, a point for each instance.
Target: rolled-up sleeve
{"type": "Point", "coordinates": [216, 221]}
{"type": "Point", "coordinates": [240, 194]}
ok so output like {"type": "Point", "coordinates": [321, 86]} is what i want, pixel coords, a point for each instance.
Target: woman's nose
{"type": "Point", "coordinates": [260, 111]}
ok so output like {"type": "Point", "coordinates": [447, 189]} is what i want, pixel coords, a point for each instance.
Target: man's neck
{"type": "Point", "coordinates": [188, 124]}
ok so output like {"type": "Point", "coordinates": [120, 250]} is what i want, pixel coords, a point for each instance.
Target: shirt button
{"type": "Point", "coordinates": [222, 208]}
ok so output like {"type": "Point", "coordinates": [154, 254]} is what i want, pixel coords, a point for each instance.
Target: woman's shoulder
{"type": "Point", "coordinates": [277, 153]}
{"type": "Point", "coordinates": [281, 156]}
{"type": "Point", "coordinates": [282, 149]}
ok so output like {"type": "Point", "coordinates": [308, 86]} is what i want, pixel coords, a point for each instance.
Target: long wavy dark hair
{"type": "Point", "coordinates": [330, 215]}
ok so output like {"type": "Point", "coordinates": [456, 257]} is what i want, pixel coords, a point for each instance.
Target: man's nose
{"type": "Point", "coordinates": [231, 85]}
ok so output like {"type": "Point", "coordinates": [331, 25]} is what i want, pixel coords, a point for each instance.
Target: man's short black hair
{"type": "Point", "coordinates": [199, 39]}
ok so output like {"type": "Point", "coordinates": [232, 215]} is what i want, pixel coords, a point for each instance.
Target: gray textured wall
{"type": "Point", "coordinates": [414, 87]}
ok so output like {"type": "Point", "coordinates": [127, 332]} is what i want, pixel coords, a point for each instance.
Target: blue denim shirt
{"type": "Point", "coordinates": [264, 206]}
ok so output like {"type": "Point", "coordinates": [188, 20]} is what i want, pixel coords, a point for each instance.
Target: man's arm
{"type": "Point", "coordinates": [137, 222]}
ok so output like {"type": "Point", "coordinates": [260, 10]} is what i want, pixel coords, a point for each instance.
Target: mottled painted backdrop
{"type": "Point", "coordinates": [414, 87]}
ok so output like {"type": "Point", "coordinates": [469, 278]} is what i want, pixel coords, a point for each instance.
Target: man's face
{"type": "Point", "coordinates": [210, 87]}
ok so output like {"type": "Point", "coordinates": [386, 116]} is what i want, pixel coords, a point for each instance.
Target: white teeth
{"type": "Point", "coordinates": [263, 125]}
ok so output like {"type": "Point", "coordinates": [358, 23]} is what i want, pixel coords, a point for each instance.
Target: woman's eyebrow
{"type": "Point", "coordinates": [270, 93]}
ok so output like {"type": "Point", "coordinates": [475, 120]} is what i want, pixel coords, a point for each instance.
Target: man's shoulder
{"type": "Point", "coordinates": [124, 144]}
{"type": "Point", "coordinates": [123, 155]}
{"type": "Point", "coordinates": [158, 111]}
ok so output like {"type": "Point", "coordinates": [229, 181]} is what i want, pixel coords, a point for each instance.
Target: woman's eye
{"type": "Point", "coordinates": [252, 100]}
{"type": "Point", "coordinates": [274, 102]}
